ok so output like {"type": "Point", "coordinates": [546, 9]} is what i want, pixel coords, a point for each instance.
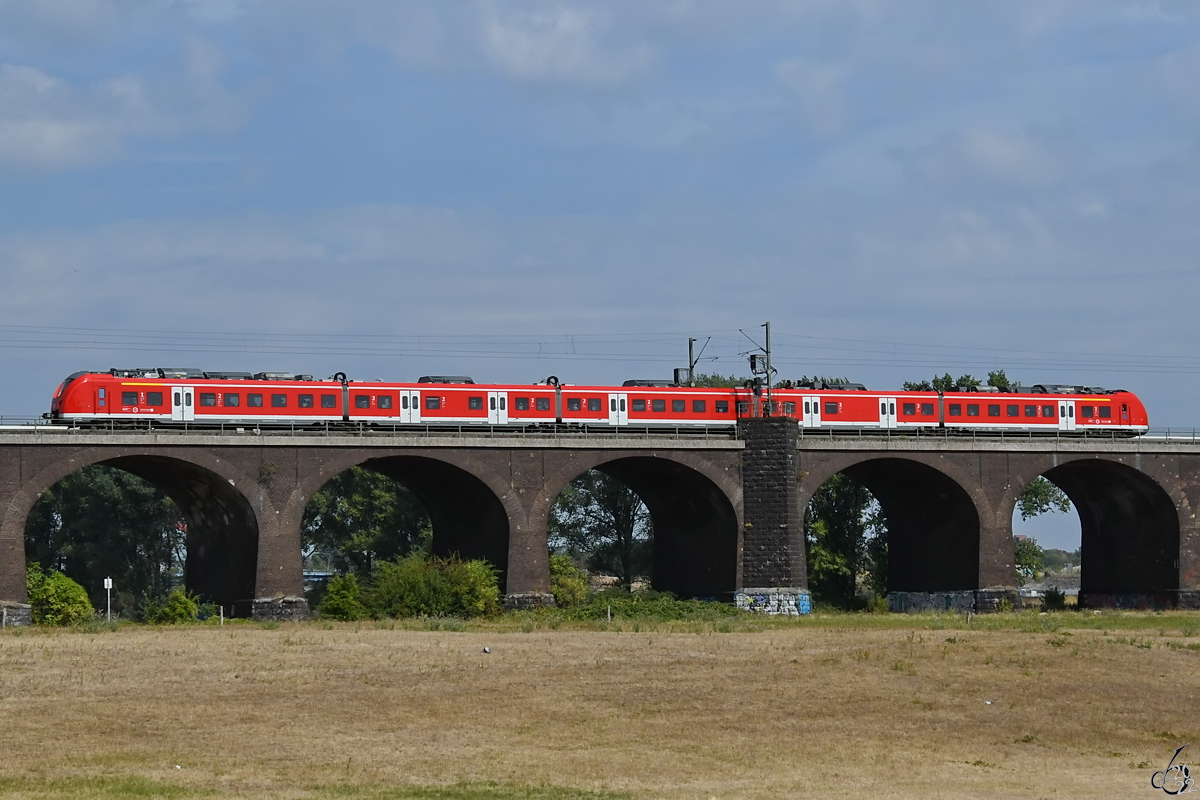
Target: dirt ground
{"type": "Point", "coordinates": [810, 709]}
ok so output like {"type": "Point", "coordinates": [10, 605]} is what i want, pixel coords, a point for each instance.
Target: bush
{"type": "Point", "coordinates": [656, 606]}
{"type": "Point", "coordinates": [568, 583]}
{"type": "Point", "coordinates": [878, 605]}
{"type": "Point", "coordinates": [1054, 600]}
{"type": "Point", "coordinates": [432, 587]}
{"type": "Point", "coordinates": [342, 599]}
{"type": "Point", "coordinates": [56, 599]}
{"type": "Point", "coordinates": [177, 609]}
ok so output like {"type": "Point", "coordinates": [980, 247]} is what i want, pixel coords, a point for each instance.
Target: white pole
{"type": "Point", "coordinates": [108, 593]}
{"type": "Point", "coordinates": [222, 614]}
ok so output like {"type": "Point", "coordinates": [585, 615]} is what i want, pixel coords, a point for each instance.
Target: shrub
{"type": "Point", "coordinates": [342, 599]}
{"type": "Point", "coordinates": [1054, 600]}
{"type": "Point", "coordinates": [878, 605]}
{"type": "Point", "coordinates": [177, 609]}
{"type": "Point", "coordinates": [433, 587]}
{"type": "Point", "coordinates": [56, 599]}
{"type": "Point", "coordinates": [568, 583]}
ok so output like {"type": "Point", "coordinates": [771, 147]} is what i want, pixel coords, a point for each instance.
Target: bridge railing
{"type": "Point", "coordinates": [10, 424]}
{"type": "Point", "coordinates": [952, 434]}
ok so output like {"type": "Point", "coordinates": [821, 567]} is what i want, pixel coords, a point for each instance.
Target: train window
{"type": "Point", "coordinates": [208, 398]}
{"type": "Point", "coordinates": [475, 403]}
{"type": "Point", "coordinates": [1062, 411]}
{"type": "Point", "coordinates": [1012, 411]}
{"type": "Point", "coordinates": [306, 401]}
{"type": "Point", "coordinates": [360, 400]}
{"type": "Point", "coordinates": [612, 404]}
{"type": "Point", "coordinates": [1085, 411]}
{"type": "Point", "coordinates": [622, 403]}
{"type": "Point", "coordinates": [993, 409]}
{"type": "Point", "coordinates": [722, 406]}
{"type": "Point", "coordinates": [699, 406]}
{"type": "Point", "coordinates": [154, 398]}
{"type": "Point", "coordinates": [329, 401]}
{"type": "Point", "coordinates": [101, 392]}
{"type": "Point", "coordinates": [232, 399]}
{"type": "Point", "coordinates": [431, 402]}
{"type": "Point", "coordinates": [492, 403]}
{"type": "Point", "coordinates": [743, 408]}
{"type": "Point", "coordinates": [404, 401]}
{"type": "Point", "coordinates": [831, 408]}
{"type": "Point", "coordinates": [910, 408]}
{"type": "Point", "coordinates": [503, 400]}
{"type": "Point", "coordinates": [521, 403]}
{"type": "Point", "coordinates": [279, 401]}
{"type": "Point", "coordinates": [254, 400]}
{"type": "Point", "coordinates": [639, 405]}
{"type": "Point", "coordinates": [678, 406]}
{"type": "Point", "coordinates": [594, 404]}
{"type": "Point", "coordinates": [659, 406]}
{"type": "Point", "coordinates": [129, 398]}
{"type": "Point", "coordinates": [574, 404]}
{"type": "Point", "coordinates": [789, 408]}
{"type": "Point", "coordinates": [956, 409]}
{"type": "Point", "coordinates": [1105, 412]}
{"type": "Point", "coordinates": [1047, 411]}
{"type": "Point", "coordinates": [972, 409]}
{"type": "Point", "coordinates": [1031, 411]}
{"type": "Point", "coordinates": [927, 409]}
{"type": "Point", "coordinates": [542, 404]}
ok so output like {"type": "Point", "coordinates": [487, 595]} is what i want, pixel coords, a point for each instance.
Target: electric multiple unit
{"type": "Point", "coordinates": [167, 397]}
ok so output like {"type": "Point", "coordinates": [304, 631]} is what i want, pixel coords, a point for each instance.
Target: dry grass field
{"type": "Point", "coordinates": [1019, 705]}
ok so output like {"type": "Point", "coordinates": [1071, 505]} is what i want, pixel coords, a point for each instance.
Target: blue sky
{"type": "Point", "coordinates": [512, 190]}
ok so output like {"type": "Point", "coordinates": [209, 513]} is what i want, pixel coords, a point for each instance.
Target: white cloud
{"type": "Point", "coordinates": [560, 44]}
{"type": "Point", "coordinates": [47, 122]}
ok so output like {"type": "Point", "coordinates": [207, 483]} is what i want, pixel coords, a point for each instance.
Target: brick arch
{"type": "Point", "coordinates": [694, 506]}
{"type": "Point", "coordinates": [934, 512]}
{"type": "Point", "coordinates": [223, 521]}
{"type": "Point", "coordinates": [1131, 521]}
{"type": "Point", "coordinates": [472, 511]}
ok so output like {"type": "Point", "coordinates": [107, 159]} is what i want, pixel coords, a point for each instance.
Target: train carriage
{"type": "Point", "coordinates": [169, 397]}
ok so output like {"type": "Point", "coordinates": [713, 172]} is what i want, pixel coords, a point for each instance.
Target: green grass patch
{"type": "Point", "coordinates": [109, 787]}
{"type": "Point", "coordinates": [101, 786]}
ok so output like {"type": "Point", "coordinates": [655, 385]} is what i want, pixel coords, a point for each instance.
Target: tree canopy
{"type": "Point", "coordinates": [361, 517]}
{"type": "Point", "coordinates": [103, 522]}
{"type": "Point", "coordinates": [601, 523]}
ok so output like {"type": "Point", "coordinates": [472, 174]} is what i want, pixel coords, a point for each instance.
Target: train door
{"type": "Point", "coordinates": [618, 409]}
{"type": "Point", "coordinates": [1066, 415]}
{"type": "Point", "coordinates": [183, 405]}
{"type": "Point", "coordinates": [410, 406]}
{"type": "Point", "coordinates": [887, 412]}
{"type": "Point", "coordinates": [498, 408]}
{"type": "Point", "coordinates": [811, 418]}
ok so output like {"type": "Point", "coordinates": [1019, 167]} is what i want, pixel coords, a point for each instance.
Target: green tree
{"type": "Point", "coordinates": [998, 379]}
{"type": "Point", "coordinates": [1042, 496]}
{"type": "Point", "coordinates": [568, 582]}
{"type": "Point", "coordinates": [1029, 557]}
{"type": "Point", "coordinates": [343, 599]}
{"type": "Point", "coordinates": [717, 381]}
{"type": "Point", "coordinates": [419, 585]}
{"type": "Point", "coordinates": [361, 517]}
{"type": "Point", "coordinates": [55, 599]}
{"type": "Point", "coordinates": [103, 522]}
{"type": "Point", "coordinates": [941, 383]}
{"type": "Point", "coordinates": [845, 537]}
{"type": "Point", "coordinates": [601, 522]}
{"type": "Point", "coordinates": [178, 608]}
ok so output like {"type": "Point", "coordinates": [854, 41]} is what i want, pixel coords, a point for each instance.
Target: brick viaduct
{"type": "Point", "coordinates": [728, 512]}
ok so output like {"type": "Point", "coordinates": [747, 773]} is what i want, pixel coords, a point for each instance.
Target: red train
{"type": "Point", "coordinates": [185, 396]}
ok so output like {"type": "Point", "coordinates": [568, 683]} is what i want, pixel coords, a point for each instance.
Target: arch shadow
{"type": "Point", "coordinates": [468, 518]}
{"type": "Point", "coordinates": [932, 525]}
{"type": "Point", "coordinates": [695, 526]}
{"type": "Point", "coordinates": [1130, 533]}
{"type": "Point", "coordinates": [222, 528]}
